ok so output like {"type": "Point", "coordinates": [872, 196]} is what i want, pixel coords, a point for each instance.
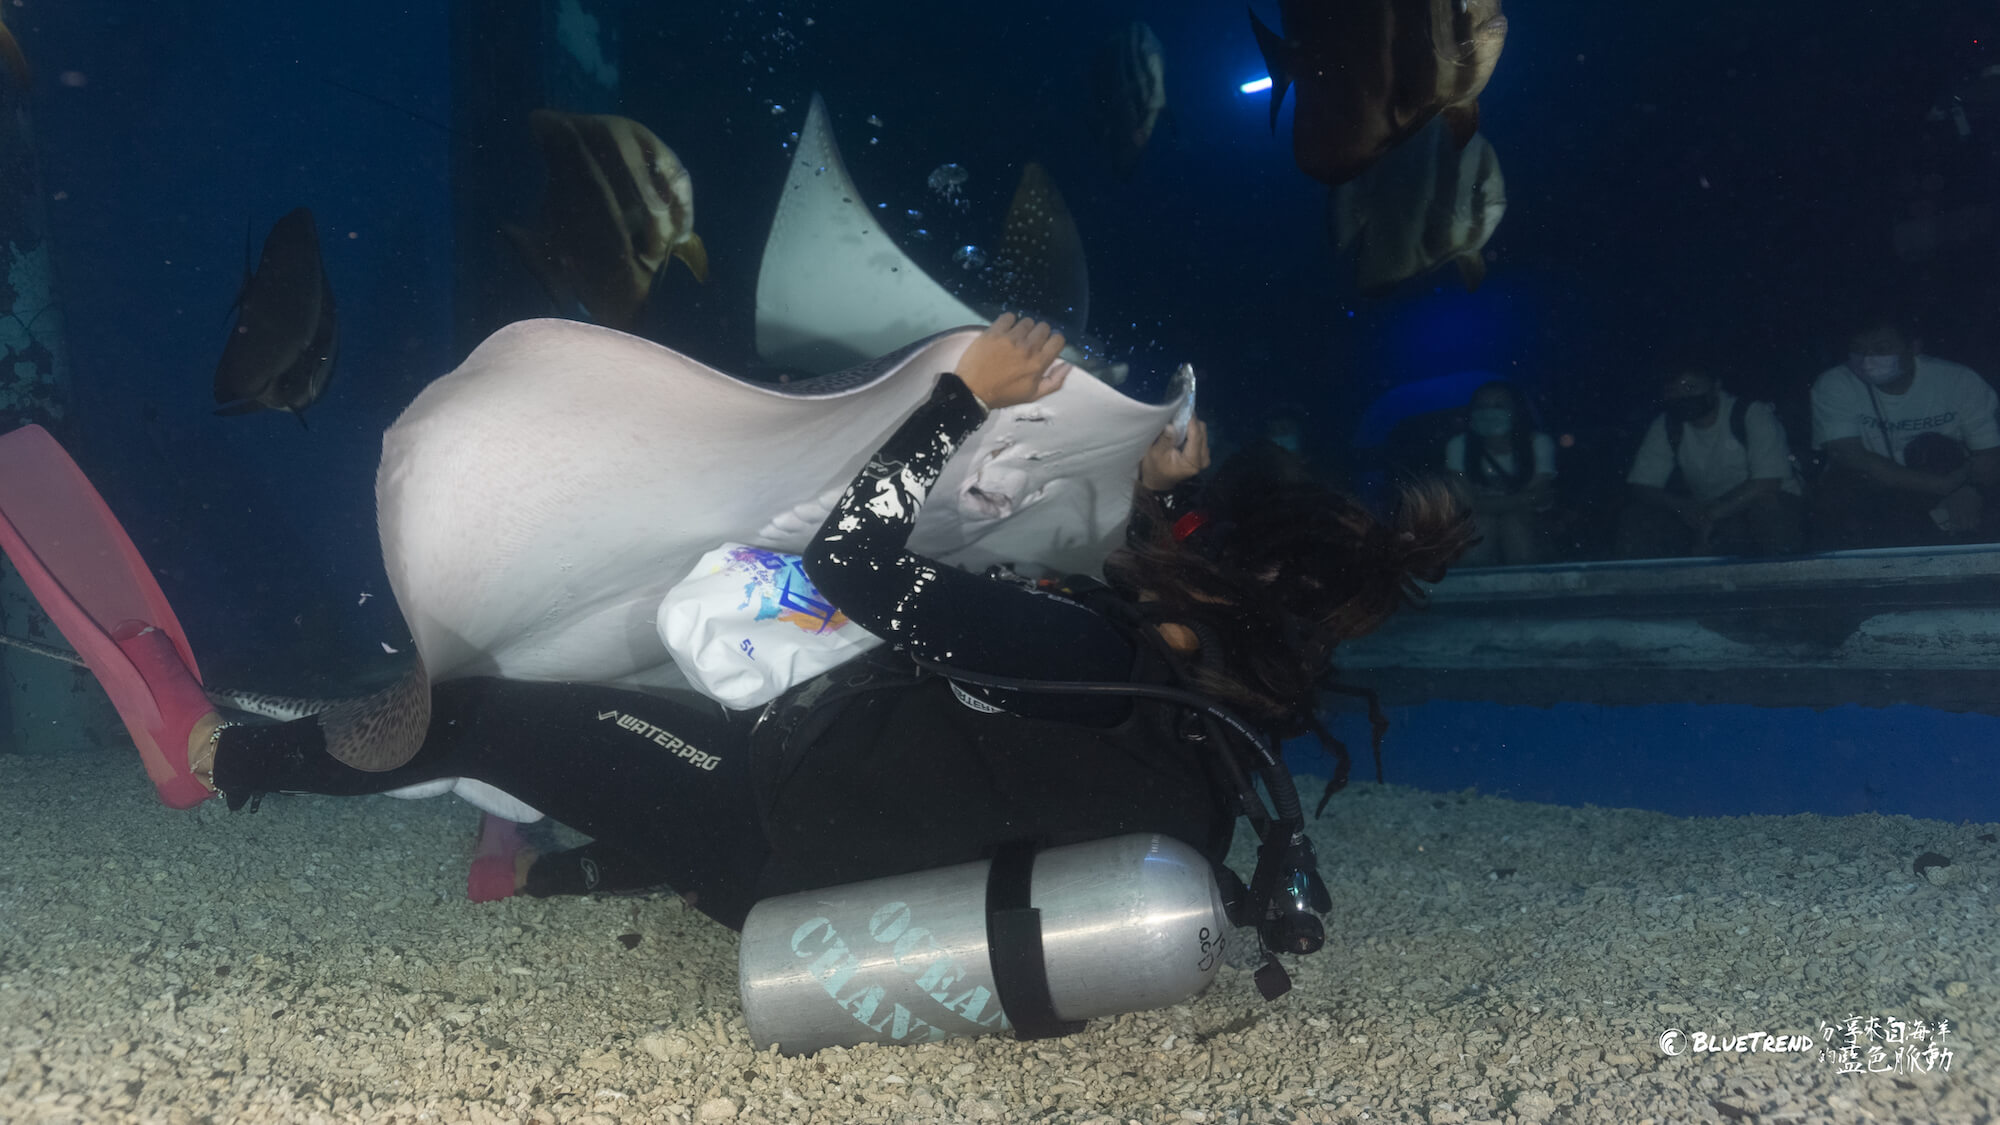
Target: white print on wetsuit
{"type": "Point", "coordinates": [661, 738]}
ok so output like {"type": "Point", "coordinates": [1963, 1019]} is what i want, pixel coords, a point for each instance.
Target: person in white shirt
{"type": "Point", "coordinates": [1507, 472]}
{"type": "Point", "coordinates": [1738, 492]}
{"type": "Point", "coordinates": [1911, 441]}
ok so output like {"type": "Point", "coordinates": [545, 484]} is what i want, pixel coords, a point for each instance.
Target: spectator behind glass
{"type": "Point", "coordinates": [1507, 469]}
{"type": "Point", "coordinates": [1912, 446]}
{"type": "Point", "coordinates": [1712, 476]}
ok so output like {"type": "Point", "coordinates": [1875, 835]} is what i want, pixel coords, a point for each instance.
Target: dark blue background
{"type": "Point", "coordinates": [1804, 120]}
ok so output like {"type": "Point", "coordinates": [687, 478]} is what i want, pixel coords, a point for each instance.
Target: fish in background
{"type": "Point", "coordinates": [1371, 73]}
{"type": "Point", "coordinates": [617, 206]}
{"type": "Point", "coordinates": [1128, 81]}
{"type": "Point", "coordinates": [16, 62]}
{"type": "Point", "coordinates": [1428, 202]}
{"type": "Point", "coordinates": [282, 348]}
{"type": "Point", "coordinates": [1042, 271]}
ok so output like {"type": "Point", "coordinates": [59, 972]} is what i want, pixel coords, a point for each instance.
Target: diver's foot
{"type": "Point", "coordinates": [201, 748]}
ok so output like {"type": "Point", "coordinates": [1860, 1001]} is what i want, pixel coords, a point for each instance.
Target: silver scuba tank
{"type": "Point", "coordinates": [1033, 943]}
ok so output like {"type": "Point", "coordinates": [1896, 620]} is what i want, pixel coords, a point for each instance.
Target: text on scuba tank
{"type": "Point", "coordinates": [662, 738]}
{"type": "Point", "coordinates": [1212, 945]}
{"type": "Point", "coordinates": [896, 947]}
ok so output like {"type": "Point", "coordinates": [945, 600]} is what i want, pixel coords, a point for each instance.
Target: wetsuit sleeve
{"type": "Point", "coordinates": [861, 562]}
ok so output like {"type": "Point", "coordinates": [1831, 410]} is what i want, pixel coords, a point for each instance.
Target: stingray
{"type": "Point", "coordinates": [536, 504]}
{"type": "Point", "coordinates": [1041, 255]}
{"type": "Point", "coordinates": [834, 289]}
{"type": "Point", "coordinates": [617, 207]}
{"type": "Point", "coordinates": [282, 348]}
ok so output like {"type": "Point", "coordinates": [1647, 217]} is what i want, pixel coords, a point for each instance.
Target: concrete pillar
{"type": "Point", "coordinates": [45, 705]}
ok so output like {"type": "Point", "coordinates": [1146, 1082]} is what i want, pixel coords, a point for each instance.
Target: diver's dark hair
{"type": "Point", "coordinates": [1280, 573]}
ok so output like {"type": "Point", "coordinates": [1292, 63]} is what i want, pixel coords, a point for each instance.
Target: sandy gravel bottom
{"type": "Point", "coordinates": [1488, 961]}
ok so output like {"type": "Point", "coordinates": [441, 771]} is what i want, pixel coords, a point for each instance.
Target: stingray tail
{"type": "Point", "coordinates": [382, 730]}
{"type": "Point", "coordinates": [1275, 52]}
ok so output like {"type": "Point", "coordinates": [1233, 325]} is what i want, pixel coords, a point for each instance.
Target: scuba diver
{"type": "Point", "coordinates": [976, 724]}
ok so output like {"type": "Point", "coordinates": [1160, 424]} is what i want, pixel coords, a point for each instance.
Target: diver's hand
{"type": "Point", "coordinates": [1009, 364]}
{"type": "Point", "coordinates": [1170, 462]}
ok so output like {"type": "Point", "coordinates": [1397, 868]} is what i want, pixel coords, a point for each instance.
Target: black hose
{"type": "Point", "coordinates": [1277, 779]}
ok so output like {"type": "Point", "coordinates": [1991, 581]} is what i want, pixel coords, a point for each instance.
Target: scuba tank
{"type": "Point", "coordinates": [1034, 943]}
{"type": "Point", "coordinates": [1037, 944]}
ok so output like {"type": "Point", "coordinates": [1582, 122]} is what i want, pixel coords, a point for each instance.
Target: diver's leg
{"type": "Point", "coordinates": [594, 868]}
{"type": "Point", "coordinates": [656, 781]}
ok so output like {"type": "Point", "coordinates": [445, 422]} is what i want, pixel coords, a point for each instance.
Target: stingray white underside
{"type": "Point", "coordinates": [536, 504]}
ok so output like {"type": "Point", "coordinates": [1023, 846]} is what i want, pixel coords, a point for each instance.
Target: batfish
{"type": "Point", "coordinates": [16, 62]}
{"type": "Point", "coordinates": [617, 206]}
{"type": "Point", "coordinates": [1370, 73]}
{"type": "Point", "coordinates": [1128, 79]}
{"type": "Point", "coordinates": [282, 347]}
{"type": "Point", "coordinates": [1428, 202]}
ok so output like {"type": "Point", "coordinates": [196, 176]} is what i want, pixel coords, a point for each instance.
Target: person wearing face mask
{"type": "Point", "coordinates": [1737, 492]}
{"type": "Point", "coordinates": [1912, 446]}
{"type": "Point", "coordinates": [1507, 470]}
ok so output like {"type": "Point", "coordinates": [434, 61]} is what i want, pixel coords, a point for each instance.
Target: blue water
{"type": "Point", "coordinates": [1725, 178]}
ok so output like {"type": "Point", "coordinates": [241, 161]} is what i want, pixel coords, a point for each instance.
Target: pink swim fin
{"type": "Point", "coordinates": [90, 580]}
{"type": "Point", "coordinates": [492, 874]}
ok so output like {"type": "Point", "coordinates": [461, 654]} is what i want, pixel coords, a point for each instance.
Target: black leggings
{"type": "Point", "coordinates": [662, 788]}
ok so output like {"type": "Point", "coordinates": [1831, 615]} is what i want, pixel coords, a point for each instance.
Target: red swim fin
{"type": "Point", "coordinates": [91, 581]}
{"type": "Point", "coordinates": [492, 874]}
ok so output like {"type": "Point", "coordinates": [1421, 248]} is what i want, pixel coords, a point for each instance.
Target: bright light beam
{"type": "Point", "coordinates": [1254, 87]}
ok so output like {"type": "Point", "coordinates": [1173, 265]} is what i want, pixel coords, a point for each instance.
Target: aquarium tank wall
{"type": "Point", "coordinates": [593, 561]}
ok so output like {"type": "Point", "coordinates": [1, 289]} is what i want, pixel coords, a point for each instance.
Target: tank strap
{"type": "Point", "coordinates": [1014, 947]}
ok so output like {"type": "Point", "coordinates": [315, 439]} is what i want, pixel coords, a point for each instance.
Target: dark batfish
{"type": "Point", "coordinates": [618, 205]}
{"type": "Point", "coordinates": [1128, 79]}
{"type": "Point", "coordinates": [1042, 268]}
{"type": "Point", "coordinates": [16, 62]}
{"type": "Point", "coordinates": [1428, 202]}
{"type": "Point", "coordinates": [1370, 73]}
{"type": "Point", "coordinates": [281, 350]}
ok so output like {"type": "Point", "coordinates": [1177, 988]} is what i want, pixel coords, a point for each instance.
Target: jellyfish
{"type": "Point", "coordinates": [946, 180]}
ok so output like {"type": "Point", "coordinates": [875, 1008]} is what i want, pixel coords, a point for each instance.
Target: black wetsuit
{"type": "Point", "coordinates": [894, 774]}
